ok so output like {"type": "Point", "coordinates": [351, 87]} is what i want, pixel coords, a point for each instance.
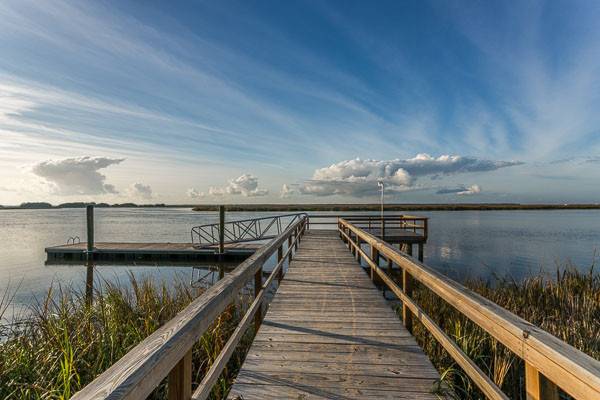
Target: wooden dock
{"type": "Point", "coordinates": [330, 334]}
{"type": "Point", "coordinates": [170, 252]}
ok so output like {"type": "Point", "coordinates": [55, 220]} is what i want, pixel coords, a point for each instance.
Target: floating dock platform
{"type": "Point", "coordinates": [171, 252]}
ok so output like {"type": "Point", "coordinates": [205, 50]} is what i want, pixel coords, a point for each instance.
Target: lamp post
{"type": "Point", "coordinates": [382, 186]}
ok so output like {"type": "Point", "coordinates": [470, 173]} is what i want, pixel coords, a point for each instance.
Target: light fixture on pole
{"type": "Point", "coordinates": [381, 185]}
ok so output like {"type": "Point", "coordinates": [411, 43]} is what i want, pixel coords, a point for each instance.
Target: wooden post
{"type": "Point", "coordinates": [407, 288]}
{"type": "Point", "coordinates": [257, 288]}
{"type": "Point", "coordinates": [89, 279]}
{"type": "Point", "coordinates": [389, 265]}
{"type": "Point", "coordinates": [180, 379]}
{"type": "Point", "coordinates": [537, 386]}
{"type": "Point", "coordinates": [409, 249]}
{"type": "Point", "coordinates": [90, 228]}
{"type": "Point", "coordinates": [357, 249]}
{"type": "Point", "coordinates": [279, 258]}
{"type": "Point", "coordinates": [421, 251]}
{"type": "Point", "coordinates": [375, 259]}
{"type": "Point", "coordinates": [289, 248]}
{"type": "Point", "coordinates": [221, 229]}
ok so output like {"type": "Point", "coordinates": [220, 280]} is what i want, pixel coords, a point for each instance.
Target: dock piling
{"type": "Point", "coordinates": [221, 229]}
{"type": "Point", "coordinates": [89, 278]}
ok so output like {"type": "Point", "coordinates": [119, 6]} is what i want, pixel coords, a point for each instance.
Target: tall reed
{"type": "Point", "coordinates": [567, 307]}
{"type": "Point", "coordinates": [63, 344]}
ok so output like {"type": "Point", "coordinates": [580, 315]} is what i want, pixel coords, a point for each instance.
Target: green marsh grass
{"type": "Point", "coordinates": [63, 344]}
{"type": "Point", "coordinates": [567, 306]}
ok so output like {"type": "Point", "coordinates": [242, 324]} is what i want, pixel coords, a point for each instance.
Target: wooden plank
{"type": "Point", "coordinates": [329, 333]}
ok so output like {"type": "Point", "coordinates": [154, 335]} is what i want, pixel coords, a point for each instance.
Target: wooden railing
{"type": "Point", "coordinates": [168, 351]}
{"type": "Point", "coordinates": [549, 362]}
{"type": "Point", "coordinates": [389, 221]}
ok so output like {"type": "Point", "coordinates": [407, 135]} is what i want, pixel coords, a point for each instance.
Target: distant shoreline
{"type": "Point", "coordinates": [397, 207]}
{"type": "Point", "coordinates": [322, 207]}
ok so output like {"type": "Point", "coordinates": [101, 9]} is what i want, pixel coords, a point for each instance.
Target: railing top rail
{"type": "Point", "coordinates": [142, 369]}
{"type": "Point", "coordinates": [368, 216]}
{"type": "Point", "coordinates": [255, 219]}
{"type": "Point", "coordinates": [572, 370]}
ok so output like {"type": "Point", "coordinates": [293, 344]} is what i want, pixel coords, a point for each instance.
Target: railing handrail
{"type": "Point", "coordinates": [142, 369]}
{"type": "Point", "coordinates": [572, 370]}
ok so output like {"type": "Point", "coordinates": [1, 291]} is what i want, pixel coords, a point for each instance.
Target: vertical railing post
{"type": "Point", "coordinates": [358, 258]}
{"type": "Point", "coordinates": [258, 283]}
{"type": "Point", "coordinates": [179, 385]}
{"type": "Point", "coordinates": [407, 289]}
{"type": "Point", "coordinates": [89, 278]}
{"type": "Point", "coordinates": [421, 251]}
{"type": "Point", "coordinates": [221, 229]}
{"type": "Point", "coordinates": [375, 259]}
{"type": "Point", "coordinates": [409, 249]}
{"type": "Point", "coordinates": [279, 258]}
{"type": "Point", "coordinates": [537, 386]}
{"type": "Point", "coordinates": [290, 248]}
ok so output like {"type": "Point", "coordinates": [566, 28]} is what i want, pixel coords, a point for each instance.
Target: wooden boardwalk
{"type": "Point", "coordinates": [329, 334]}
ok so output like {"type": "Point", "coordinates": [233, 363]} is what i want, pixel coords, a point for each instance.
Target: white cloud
{"type": "Point", "coordinates": [195, 194]}
{"type": "Point", "coordinates": [461, 190]}
{"type": "Point", "coordinates": [359, 177]}
{"type": "Point", "coordinates": [139, 190]}
{"type": "Point", "coordinates": [77, 176]}
{"type": "Point", "coordinates": [246, 185]}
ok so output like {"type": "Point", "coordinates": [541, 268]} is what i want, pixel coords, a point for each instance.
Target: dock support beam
{"type": "Point", "coordinates": [537, 386]}
{"type": "Point", "coordinates": [179, 385]}
{"type": "Point", "coordinates": [258, 283]}
{"type": "Point", "coordinates": [221, 229]}
{"type": "Point", "coordinates": [89, 256]}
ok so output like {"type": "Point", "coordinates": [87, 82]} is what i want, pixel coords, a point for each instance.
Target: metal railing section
{"type": "Point", "coordinates": [246, 230]}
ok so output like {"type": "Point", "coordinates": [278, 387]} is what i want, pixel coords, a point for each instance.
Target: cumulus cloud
{"type": "Point", "coordinates": [195, 193]}
{"type": "Point", "coordinates": [359, 177]}
{"type": "Point", "coordinates": [140, 190]}
{"type": "Point", "coordinates": [245, 185]}
{"type": "Point", "coordinates": [461, 190]}
{"type": "Point", "coordinates": [77, 176]}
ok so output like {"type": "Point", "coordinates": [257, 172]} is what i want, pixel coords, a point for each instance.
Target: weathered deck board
{"type": "Point", "coordinates": [329, 334]}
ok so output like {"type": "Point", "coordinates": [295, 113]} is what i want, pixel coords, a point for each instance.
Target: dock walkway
{"type": "Point", "coordinates": [330, 334]}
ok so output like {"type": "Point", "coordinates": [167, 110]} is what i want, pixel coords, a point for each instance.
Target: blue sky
{"type": "Point", "coordinates": [299, 101]}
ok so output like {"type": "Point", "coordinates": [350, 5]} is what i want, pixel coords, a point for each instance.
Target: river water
{"type": "Point", "coordinates": [461, 243]}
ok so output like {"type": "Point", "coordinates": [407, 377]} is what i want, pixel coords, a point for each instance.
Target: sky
{"type": "Point", "coordinates": [299, 101]}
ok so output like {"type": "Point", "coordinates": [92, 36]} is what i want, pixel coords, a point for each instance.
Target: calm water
{"type": "Point", "coordinates": [461, 243]}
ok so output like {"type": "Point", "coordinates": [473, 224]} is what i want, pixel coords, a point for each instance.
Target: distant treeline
{"type": "Point", "coordinates": [397, 207]}
{"type": "Point", "coordinates": [79, 204]}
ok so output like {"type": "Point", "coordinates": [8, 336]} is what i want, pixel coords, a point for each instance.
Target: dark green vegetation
{"type": "Point", "coordinates": [77, 204]}
{"type": "Point", "coordinates": [64, 344]}
{"type": "Point", "coordinates": [568, 308]}
{"type": "Point", "coordinates": [397, 207]}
